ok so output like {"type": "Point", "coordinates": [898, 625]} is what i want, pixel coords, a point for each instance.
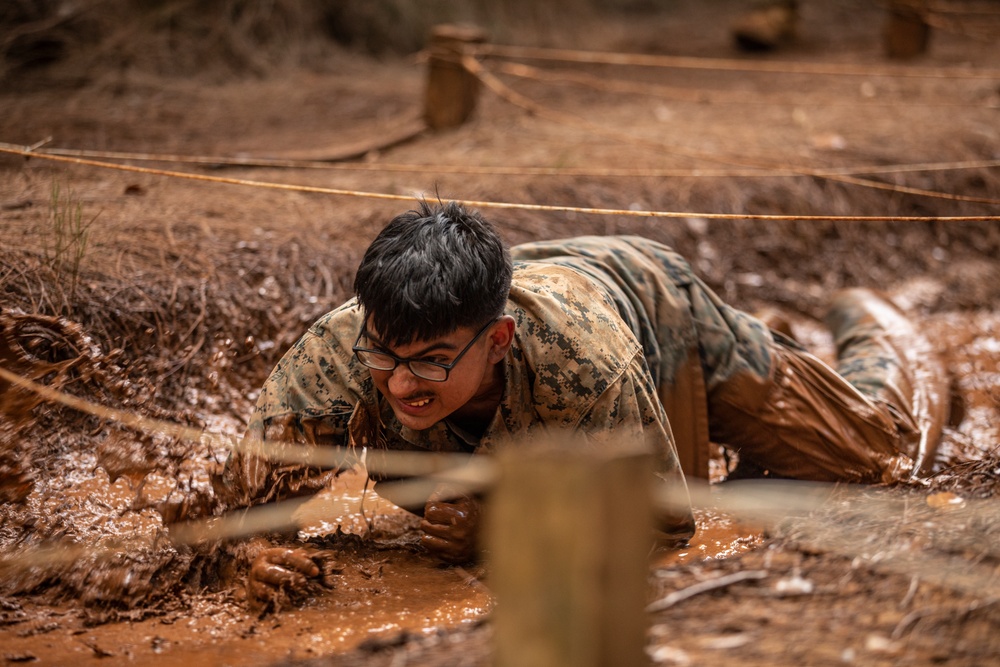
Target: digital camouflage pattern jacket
{"type": "Point", "coordinates": [607, 334]}
{"type": "Point", "coordinates": [618, 341]}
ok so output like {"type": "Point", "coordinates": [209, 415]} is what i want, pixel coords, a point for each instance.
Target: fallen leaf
{"type": "Point", "coordinates": [945, 500]}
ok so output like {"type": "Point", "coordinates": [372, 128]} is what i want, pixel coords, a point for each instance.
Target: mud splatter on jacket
{"type": "Point", "coordinates": [604, 328]}
{"type": "Point", "coordinates": [615, 339]}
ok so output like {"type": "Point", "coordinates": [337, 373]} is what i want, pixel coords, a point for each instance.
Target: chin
{"type": "Point", "coordinates": [418, 422]}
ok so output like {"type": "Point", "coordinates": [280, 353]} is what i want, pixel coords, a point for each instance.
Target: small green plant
{"type": "Point", "coordinates": [67, 245]}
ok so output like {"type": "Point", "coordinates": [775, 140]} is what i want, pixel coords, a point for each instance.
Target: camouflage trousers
{"type": "Point", "coordinates": [724, 377]}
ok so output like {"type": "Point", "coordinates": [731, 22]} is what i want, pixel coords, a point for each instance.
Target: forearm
{"type": "Point", "coordinates": [255, 472]}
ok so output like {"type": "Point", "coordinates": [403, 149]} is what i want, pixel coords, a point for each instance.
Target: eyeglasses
{"type": "Point", "coordinates": [428, 370]}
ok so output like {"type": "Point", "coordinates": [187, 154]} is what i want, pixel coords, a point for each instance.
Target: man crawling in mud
{"type": "Point", "coordinates": [455, 343]}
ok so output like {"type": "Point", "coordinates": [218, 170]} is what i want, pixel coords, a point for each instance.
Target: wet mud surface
{"type": "Point", "coordinates": [187, 293]}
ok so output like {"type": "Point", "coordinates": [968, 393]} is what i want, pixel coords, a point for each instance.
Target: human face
{"type": "Point", "coordinates": [420, 403]}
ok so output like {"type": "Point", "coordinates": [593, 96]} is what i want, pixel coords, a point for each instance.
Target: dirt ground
{"type": "Point", "coordinates": [177, 296]}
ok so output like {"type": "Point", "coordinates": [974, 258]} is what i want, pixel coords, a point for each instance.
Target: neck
{"type": "Point", "coordinates": [475, 416]}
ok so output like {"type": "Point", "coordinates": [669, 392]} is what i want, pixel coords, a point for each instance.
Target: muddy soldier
{"type": "Point", "coordinates": [455, 343]}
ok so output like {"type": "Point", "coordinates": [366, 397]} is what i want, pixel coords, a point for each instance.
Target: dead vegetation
{"type": "Point", "coordinates": [244, 37]}
{"type": "Point", "coordinates": [174, 299]}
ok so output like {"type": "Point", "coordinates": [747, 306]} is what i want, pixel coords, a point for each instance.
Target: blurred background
{"type": "Point", "coordinates": [186, 35]}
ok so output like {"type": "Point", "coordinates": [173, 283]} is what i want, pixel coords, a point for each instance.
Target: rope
{"type": "Point", "coordinates": [506, 93]}
{"type": "Point", "coordinates": [766, 503]}
{"type": "Point", "coordinates": [497, 205]}
{"type": "Point", "coordinates": [700, 96]}
{"type": "Point", "coordinates": [389, 463]}
{"type": "Point", "coordinates": [729, 65]}
{"type": "Point", "coordinates": [751, 172]}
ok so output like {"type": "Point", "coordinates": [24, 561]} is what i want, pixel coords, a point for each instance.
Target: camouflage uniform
{"type": "Point", "coordinates": [615, 338]}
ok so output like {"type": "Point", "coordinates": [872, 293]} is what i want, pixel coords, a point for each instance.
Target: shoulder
{"type": "Point", "coordinates": [632, 259]}
{"type": "Point", "coordinates": [319, 374]}
{"type": "Point", "coordinates": [549, 298]}
{"type": "Point", "coordinates": [570, 341]}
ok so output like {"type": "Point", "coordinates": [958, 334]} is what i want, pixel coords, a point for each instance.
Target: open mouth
{"type": "Point", "coordinates": [417, 404]}
{"type": "Point", "coordinates": [414, 405]}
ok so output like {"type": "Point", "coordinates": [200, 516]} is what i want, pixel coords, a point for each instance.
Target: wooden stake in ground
{"type": "Point", "coordinates": [568, 536]}
{"type": "Point", "coordinates": [451, 89]}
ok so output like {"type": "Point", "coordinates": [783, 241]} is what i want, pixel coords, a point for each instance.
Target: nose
{"type": "Point", "coordinates": [402, 381]}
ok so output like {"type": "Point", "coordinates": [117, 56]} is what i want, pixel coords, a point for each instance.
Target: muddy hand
{"type": "Point", "coordinates": [451, 529]}
{"type": "Point", "coordinates": [279, 569]}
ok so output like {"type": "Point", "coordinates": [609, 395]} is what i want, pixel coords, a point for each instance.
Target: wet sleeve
{"type": "Point", "coordinates": [254, 472]}
{"type": "Point", "coordinates": [629, 414]}
{"type": "Point", "coordinates": [308, 400]}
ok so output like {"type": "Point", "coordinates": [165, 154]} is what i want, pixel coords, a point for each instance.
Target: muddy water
{"type": "Point", "coordinates": [386, 591]}
{"type": "Point", "coordinates": [718, 536]}
{"type": "Point", "coordinates": [378, 595]}
{"type": "Point", "coordinates": [378, 598]}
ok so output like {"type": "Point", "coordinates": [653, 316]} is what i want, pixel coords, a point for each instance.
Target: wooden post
{"type": "Point", "coordinates": [568, 536]}
{"type": "Point", "coordinates": [451, 89]}
{"type": "Point", "coordinates": [906, 31]}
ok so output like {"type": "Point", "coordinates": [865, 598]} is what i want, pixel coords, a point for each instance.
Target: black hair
{"type": "Point", "coordinates": [431, 271]}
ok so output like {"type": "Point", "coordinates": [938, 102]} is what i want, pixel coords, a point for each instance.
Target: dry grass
{"type": "Point", "coordinates": [171, 302]}
{"type": "Point", "coordinates": [249, 37]}
{"type": "Point", "coordinates": [178, 276]}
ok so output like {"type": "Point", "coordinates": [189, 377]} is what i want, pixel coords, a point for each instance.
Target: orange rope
{"type": "Point", "coordinates": [749, 172]}
{"type": "Point", "coordinates": [700, 96]}
{"type": "Point", "coordinates": [505, 92]}
{"type": "Point", "coordinates": [497, 205]}
{"type": "Point", "coordinates": [730, 65]}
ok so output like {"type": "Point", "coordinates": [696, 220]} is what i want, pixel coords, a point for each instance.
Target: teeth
{"type": "Point", "coordinates": [420, 404]}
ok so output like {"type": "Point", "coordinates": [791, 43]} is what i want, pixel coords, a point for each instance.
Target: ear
{"type": "Point", "coordinates": [501, 338]}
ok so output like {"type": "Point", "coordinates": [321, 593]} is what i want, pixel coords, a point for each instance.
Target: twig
{"type": "Point", "coordinates": [914, 616]}
{"type": "Point", "coordinates": [704, 587]}
{"type": "Point", "coordinates": [472, 581]}
{"type": "Point", "coordinates": [908, 598]}
{"type": "Point", "coordinates": [909, 620]}
{"type": "Point", "coordinates": [38, 144]}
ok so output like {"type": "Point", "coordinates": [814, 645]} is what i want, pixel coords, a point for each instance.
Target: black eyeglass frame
{"type": "Point", "coordinates": [411, 360]}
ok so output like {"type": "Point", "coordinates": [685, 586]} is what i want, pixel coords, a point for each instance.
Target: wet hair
{"type": "Point", "coordinates": [431, 271]}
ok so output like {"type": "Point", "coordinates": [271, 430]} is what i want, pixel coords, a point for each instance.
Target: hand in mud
{"type": "Point", "coordinates": [451, 529]}
{"type": "Point", "coordinates": [279, 570]}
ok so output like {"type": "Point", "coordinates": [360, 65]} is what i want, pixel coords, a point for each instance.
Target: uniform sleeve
{"type": "Point", "coordinates": [252, 475]}
{"type": "Point", "coordinates": [311, 398]}
{"type": "Point", "coordinates": [629, 412]}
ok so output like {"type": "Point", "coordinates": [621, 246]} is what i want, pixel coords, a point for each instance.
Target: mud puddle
{"type": "Point", "coordinates": [390, 589]}
{"type": "Point", "coordinates": [381, 594]}
{"type": "Point", "coordinates": [401, 592]}
{"type": "Point", "coordinates": [718, 536]}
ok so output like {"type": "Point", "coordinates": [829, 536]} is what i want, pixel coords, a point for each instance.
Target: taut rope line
{"type": "Point", "coordinates": [725, 64]}
{"type": "Point", "coordinates": [500, 205]}
{"type": "Point", "coordinates": [517, 99]}
{"type": "Point", "coordinates": [748, 172]}
{"type": "Point", "coordinates": [703, 96]}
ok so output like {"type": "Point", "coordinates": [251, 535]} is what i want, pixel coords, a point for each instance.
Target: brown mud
{"type": "Point", "coordinates": [186, 293]}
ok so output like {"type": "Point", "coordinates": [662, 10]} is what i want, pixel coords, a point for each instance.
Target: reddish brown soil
{"type": "Point", "coordinates": [203, 284]}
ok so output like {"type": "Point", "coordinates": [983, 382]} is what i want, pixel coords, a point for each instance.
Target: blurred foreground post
{"type": "Point", "coordinates": [569, 533]}
{"type": "Point", "coordinates": [451, 89]}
